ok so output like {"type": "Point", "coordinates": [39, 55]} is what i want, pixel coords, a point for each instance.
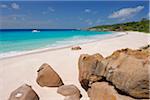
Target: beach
{"type": "Point", "coordinates": [21, 69]}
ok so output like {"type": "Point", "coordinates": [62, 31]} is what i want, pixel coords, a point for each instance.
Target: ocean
{"type": "Point", "coordinates": [14, 42]}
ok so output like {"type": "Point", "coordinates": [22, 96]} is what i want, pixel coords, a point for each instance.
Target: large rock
{"type": "Point", "coordinates": [104, 91]}
{"type": "Point", "coordinates": [24, 92]}
{"type": "Point", "coordinates": [48, 77]}
{"type": "Point", "coordinates": [87, 65]}
{"type": "Point", "coordinates": [71, 92]}
{"type": "Point", "coordinates": [101, 91]}
{"type": "Point", "coordinates": [127, 70]}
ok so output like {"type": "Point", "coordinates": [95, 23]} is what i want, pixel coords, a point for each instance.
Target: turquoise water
{"type": "Point", "coordinates": [17, 41]}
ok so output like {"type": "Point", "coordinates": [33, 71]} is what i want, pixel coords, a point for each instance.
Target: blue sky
{"type": "Point", "coordinates": [69, 14]}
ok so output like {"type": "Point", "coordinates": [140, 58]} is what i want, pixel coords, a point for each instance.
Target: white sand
{"type": "Point", "coordinates": [18, 70]}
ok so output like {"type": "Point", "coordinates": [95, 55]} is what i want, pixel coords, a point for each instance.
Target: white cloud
{"type": "Point", "coordinates": [15, 6]}
{"type": "Point", "coordinates": [126, 12]}
{"type": "Point", "coordinates": [87, 10]}
{"type": "Point", "coordinates": [51, 9]}
{"type": "Point", "coordinates": [90, 11]}
{"type": "Point", "coordinates": [3, 6]}
{"type": "Point", "coordinates": [12, 5]}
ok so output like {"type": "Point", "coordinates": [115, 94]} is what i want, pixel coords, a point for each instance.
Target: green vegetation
{"type": "Point", "coordinates": [141, 26]}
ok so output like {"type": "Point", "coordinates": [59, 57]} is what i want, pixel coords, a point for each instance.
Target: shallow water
{"type": "Point", "coordinates": [25, 40]}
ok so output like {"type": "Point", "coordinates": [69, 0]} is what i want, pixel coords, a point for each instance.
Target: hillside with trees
{"type": "Point", "coordinates": [141, 26]}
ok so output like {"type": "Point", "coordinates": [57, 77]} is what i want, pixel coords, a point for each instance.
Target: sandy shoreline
{"type": "Point", "coordinates": [15, 71]}
{"type": "Point", "coordinates": [114, 35]}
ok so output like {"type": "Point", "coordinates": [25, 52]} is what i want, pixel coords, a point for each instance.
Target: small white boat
{"type": "Point", "coordinates": [35, 31]}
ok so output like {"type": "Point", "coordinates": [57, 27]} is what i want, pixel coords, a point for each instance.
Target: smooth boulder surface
{"type": "Point", "coordinates": [101, 91]}
{"type": "Point", "coordinates": [71, 92]}
{"type": "Point", "coordinates": [24, 92]}
{"type": "Point", "coordinates": [48, 77]}
{"type": "Point", "coordinates": [127, 70]}
{"type": "Point", "coordinates": [104, 91]}
{"type": "Point", "coordinates": [87, 65]}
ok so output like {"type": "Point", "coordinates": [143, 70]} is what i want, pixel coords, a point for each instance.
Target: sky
{"type": "Point", "coordinates": [69, 14]}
